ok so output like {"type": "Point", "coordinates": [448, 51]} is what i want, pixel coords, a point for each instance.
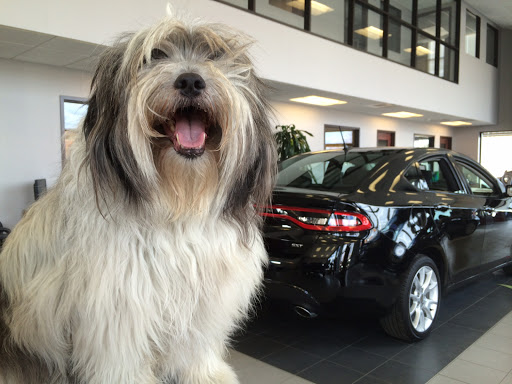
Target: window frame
{"type": "Point", "coordinates": [478, 34]}
{"type": "Point", "coordinates": [449, 166]}
{"type": "Point", "coordinates": [448, 139]}
{"type": "Point", "coordinates": [494, 60]}
{"type": "Point", "coordinates": [393, 138]}
{"type": "Point", "coordinates": [479, 171]}
{"type": "Point", "coordinates": [341, 128]}
{"type": "Point", "coordinates": [389, 15]}
{"type": "Point", "coordinates": [62, 101]}
{"type": "Point", "coordinates": [431, 139]}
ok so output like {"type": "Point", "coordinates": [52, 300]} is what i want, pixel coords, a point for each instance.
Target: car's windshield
{"type": "Point", "coordinates": [329, 171]}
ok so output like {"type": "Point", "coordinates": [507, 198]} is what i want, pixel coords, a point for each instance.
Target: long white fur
{"type": "Point", "coordinates": [105, 293]}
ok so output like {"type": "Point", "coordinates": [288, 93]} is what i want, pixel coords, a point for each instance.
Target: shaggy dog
{"type": "Point", "coordinates": [145, 256]}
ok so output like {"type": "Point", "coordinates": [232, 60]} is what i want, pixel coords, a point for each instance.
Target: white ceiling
{"type": "Point", "coordinates": [284, 92]}
{"type": "Point", "coordinates": [18, 44]}
{"type": "Point", "coordinates": [498, 11]}
{"type": "Point", "coordinates": [34, 47]}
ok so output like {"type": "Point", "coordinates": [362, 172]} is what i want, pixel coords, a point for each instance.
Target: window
{"type": "Point", "coordinates": [326, 21]}
{"type": "Point", "coordinates": [438, 175]}
{"type": "Point", "coordinates": [421, 34]}
{"type": "Point", "coordinates": [72, 111]}
{"type": "Point", "coordinates": [287, 12]}
{"type": "Point", "coordinates": [478, 183]}
{"type": "Point", "coordinates": [415, 177]}
{"type": "Point", "coordinates": [495, 152]}
{"type": "Point", "coordinates": [492, 46]}
{"type": "Point", "coordinates": [445, 142]}
{"type": "Point", "coordinates": [333, 137]}
{"type": "Point", "coordinates": [472, 36]}
{"type": "Point", "coordinates": [367, 31]}
{"type": "Point", "coordinates": [448, 19]}
{"type": "Point", "coordinates": [385, 139]}
{"type": "Point", "coordinates": [330, 171]}
{"type": "Point", "coordinates": [423, 141]}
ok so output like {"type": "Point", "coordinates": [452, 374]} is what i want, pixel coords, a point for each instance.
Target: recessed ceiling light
{"type": "Point", "coordinates": [456, 123]}
{"type": "Point", "coordinates": [317, 8]}
{"type": "Point", "coordinates": [420, 51]}
{"type": "Point", "coordinates": [402, 115]}
{"type": "Point", "coordinates": [371, 32]}
{"type": "Point", "coordinates": [318, 100]}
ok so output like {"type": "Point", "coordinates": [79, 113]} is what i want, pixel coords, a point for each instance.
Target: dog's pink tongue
{"type": "Point", "coordinates": [190, 131]}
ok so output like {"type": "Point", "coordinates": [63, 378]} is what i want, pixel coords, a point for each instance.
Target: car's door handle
{"type": "Point", "coordinates": [442, 207]}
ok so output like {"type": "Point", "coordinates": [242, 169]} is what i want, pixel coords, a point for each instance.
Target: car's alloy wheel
{"type": "Point", "coordinates": [414, 313]}
{"type": "Point", "coordinates": [423, 299]}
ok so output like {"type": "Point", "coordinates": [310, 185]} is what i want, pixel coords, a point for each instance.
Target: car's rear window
{"type": "Point", "coordinates": [329, 171]}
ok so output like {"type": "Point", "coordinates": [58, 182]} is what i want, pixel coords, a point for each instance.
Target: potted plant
{"type": "Point", "coordinates": [291, 141]}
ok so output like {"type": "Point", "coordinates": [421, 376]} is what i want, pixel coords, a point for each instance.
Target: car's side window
{"type": "Point", "coordinates": [478, 183]}
{"type": "Point", "coordinates": [414, 176]}
{"type": "Point", "coordinates": [438, 175]}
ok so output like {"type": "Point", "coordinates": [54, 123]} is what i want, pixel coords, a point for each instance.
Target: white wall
{"type": "Point", "coordinates": [30, 131]}
{"type": "Point", "coordinates": [466, 140]}
{"type": "Point", "coordinates": [283, 54]}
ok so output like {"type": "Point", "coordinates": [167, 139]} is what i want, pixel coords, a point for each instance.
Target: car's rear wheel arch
{"type": "Point", "coordinates": [437, 257]}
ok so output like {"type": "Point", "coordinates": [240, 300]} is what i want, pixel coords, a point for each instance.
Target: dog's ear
{"type": "Point", "coordinates": [110, 157]}
{"type": "Point", "coordinates": [254, 188]}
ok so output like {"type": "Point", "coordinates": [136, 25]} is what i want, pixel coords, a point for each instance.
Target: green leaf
{"type": "Point", "coordinates": [506, 286]}
{"type": "Point", "coordinates": [290, 141]}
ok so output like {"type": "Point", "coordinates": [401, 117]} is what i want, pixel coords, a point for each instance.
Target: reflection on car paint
{"type": "Point", "coordinates": [463, 233]}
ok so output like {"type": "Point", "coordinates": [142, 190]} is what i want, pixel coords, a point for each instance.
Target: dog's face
{"type": "Point", "coordinates": [177, 111]}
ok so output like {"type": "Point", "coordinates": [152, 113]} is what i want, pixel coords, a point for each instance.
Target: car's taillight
{"type": "Point", "coordinates": [319, 219]}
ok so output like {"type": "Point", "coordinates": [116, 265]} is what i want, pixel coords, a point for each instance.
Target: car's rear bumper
{"type": "Point", "coordinates": [316, 291]}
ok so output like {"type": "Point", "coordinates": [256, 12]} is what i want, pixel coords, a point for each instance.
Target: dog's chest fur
{"type": "Point", "coordinates": [175, 285]}
{"type": "Point", "coordinates": [159, 290]}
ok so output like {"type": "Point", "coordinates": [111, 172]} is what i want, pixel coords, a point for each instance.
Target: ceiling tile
{"type": "Point", "coordinates": [89, 64]}
{"type": "Point", "coordinates": [60, 44]}
{"type": "Point", "coordinates": [11, 50]}
{"type": "Point", "coordinates": [21, 36]}
{"type": "Point", "coordinates": [45, 56]}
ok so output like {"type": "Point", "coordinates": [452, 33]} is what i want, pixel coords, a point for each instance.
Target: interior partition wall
{"type": "Point", "coordinates": [422, 34]}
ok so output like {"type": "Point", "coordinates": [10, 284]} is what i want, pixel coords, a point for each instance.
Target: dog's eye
{"type": "Point", "coordinates": [158, 54]}
{"type": "Point", "coordinates": [216, 55]}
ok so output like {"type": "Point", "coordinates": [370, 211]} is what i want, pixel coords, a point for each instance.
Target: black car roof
{"type": "Point", "coordinates": [417, 151]}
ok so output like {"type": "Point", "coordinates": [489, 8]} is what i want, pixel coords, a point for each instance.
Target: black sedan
{"type": "Point", "coordinates": [387, 226]}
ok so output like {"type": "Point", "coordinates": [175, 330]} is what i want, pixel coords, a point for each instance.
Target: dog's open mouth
{"type": "Point", "coordinates": [188, 131]}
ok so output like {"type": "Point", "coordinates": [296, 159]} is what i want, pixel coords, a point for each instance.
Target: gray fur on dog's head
{"type": "Point", "coordinates": [133, 109]}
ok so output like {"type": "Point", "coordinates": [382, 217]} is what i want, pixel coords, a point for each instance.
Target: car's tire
{"type": "Point", "coordinates": [508, 270]}
{"type": "Point", "coordinates": [415, 311]}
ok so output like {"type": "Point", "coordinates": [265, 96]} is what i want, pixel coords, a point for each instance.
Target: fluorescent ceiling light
{"type": "Point", "coordinates": [456, 123]}
{"type": "Point", "coordinates": [371, 32]}
{"type": "Point", "coordinates": [318, 100]}
{"type": "Point", "coordinates": [402, 115]}
{"type": "Point", "coordinates": [432, 30]}
{"type": "Point", "coordinates": [317, 8]}
{"type": "Point", "coordinates": [420, 51]}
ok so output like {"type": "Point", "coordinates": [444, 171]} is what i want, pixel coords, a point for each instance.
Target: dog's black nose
{"type": "Point", "coordinates": [190, 84]}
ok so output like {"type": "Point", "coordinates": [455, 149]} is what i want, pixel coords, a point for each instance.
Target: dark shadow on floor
{"type": "Point", "coordinates": [352, 348]}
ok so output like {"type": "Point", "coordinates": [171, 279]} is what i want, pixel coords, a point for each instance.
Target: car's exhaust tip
{"type": "Point", "coordinates": [304, 312]}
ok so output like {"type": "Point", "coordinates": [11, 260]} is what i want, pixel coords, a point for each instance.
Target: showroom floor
{"type": "Point", "coordinates": [472, 343]}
